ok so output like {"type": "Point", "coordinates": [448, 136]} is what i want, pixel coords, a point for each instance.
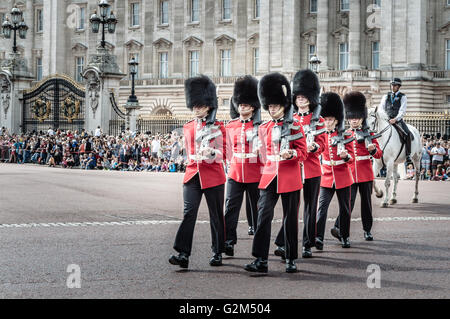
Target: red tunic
{"type": "Point", "coordinates": [339, 175]}
{"type": "Point", "coordinates": [288, 172]}
{"type": "Point", "coordinates": [311, 166]}
{"type": "Point", "coordinates": [211, 171]}
{"type": "Point", "coordinates": [362, 166]}
{"type": "Point", "coordinates": [245, 166]}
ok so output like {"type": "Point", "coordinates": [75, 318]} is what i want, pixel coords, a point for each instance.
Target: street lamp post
{"type": "Point", "coordinates": [315, 62]}
{"type": "Point", "coordinates": [133, 64]}
{"type": "Point", "coordinates": [17, 23]}
{"type": "Point", "coordinates": [107, 21]}
{"type": "Point", "coordinates": [132, 104]}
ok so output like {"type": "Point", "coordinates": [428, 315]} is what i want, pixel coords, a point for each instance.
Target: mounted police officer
{"type": "Point", "coordinates": [394, 104]}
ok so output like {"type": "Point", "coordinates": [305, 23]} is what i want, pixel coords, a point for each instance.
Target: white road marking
{"type": "Point", "coordinates": [165, 222]}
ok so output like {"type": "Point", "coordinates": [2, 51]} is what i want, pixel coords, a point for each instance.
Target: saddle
{"type": "Point", "coordinates": [403, 131]}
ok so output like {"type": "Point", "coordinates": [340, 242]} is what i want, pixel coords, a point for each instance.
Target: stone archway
{"type": "Point", "coordinates": [162, 111]}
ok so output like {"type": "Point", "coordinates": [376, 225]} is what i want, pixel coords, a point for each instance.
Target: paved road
{"type": "Point", "coordinates": [119, 227]}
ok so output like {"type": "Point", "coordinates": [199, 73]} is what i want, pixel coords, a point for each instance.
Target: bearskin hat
{"type": "Point", "coordinates": [306, 83]}
{"type": "Point", "coordinates": [200, 90]}
{"type": "Point", "coordinates": [274, 88]}
{"type": "Point", "coordinates": [355, 105]}
{"type": "Point", "coordinates": [233, 110]}
{"type": "Point", "coordinates": [332, 106]}
{"type": "Point", "coordinates": [246, 92]}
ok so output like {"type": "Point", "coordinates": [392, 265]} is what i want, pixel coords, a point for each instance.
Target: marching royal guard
{"type": "Point", "coordinates": [395, 105]}
{"type": "Point", "coordinates": [365, 146]}
{"type": "Point", "coordinates": [305, 95]}
{"type": "Point", "coordinates": [283, 146]}
{"type": "Point", "coordinates": [337, 175]}
{"type": "Point", "coordinates": [242, 153]}
{"type": "Point", "coordinates": [205, 148]}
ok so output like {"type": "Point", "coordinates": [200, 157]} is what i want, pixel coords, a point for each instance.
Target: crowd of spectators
{"type": "Point", "coordinates": [435, 161]}
{"type": "Point", "coordinates": [156, 153]}
{"type": "Point", "coordinates": [130, 151]}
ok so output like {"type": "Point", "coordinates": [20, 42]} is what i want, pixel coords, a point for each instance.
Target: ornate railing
{"type": "Point", "coordinates": [430, 123]}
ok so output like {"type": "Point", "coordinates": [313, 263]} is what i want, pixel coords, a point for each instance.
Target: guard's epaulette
{"type": "Point", "coordinates": [265, 122]}
{"type": "Point", "coordinates": [189, 121]}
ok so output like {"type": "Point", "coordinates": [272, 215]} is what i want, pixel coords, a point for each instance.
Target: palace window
{"type": "Point", "coordinates": [447, 55]}
{"type": "Point", "coordinates": [79, 66]}
{"type": "Point", "coordinates": [164, 12]}
{"type": "Point", "coordinates": [256, 9]}
{"type": "Point", "coordinates": [311, 53]}
{"type": "Point", "coordinates": [225, 62]}
{"type": "Point", "coordinates": [375, 55]}
{"type": "Point", "coordinates": [38, 69]}
{"type": "Point", "coordinates": [193, 63]}
{"type": "Point", "coordinates": [313, 6]}
{"type": "Point", "coordinates": [134, 14]}
{"type": "Point", "coordinates": [39, 20]}
{"type": "Point", "coordinates": [163, 65]}
{"type": "Point", "coordinates": [226, 9]}
{"type": "Point", "coordinates": [195, 11]}
{"type": "Point", "coordinates": [255, 60]}
{"type": "Point", "coordinates": [343, 56]}
{"type": "Point", "coordinates": [345, 5]}
{"type": "Point", "coordinates": [82, 17]}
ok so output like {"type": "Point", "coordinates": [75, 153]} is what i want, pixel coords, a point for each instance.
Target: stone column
{"type": "Point", "coordinates": [386, 35]}
{"type": "Point", "coordinates": [264, 37]}
{"type": "Point", "coordinates": [102, 79]}
{"type": "Point", "coordinates": [417, 34]}
{"type": "Point", "coordinates": [322, 33]}
{"type": "Point", "coordinates": [355, 35]}
{"type": "Point", "coordinates": [14, 78]}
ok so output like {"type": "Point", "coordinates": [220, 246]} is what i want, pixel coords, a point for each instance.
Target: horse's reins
{"type": "Point", "coordinates": [375, 124]}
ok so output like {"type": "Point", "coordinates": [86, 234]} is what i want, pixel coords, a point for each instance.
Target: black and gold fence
{"type": "Point", "coordinates": [430, 123]}
{"type": "Point", "coordinates": [426, 123]}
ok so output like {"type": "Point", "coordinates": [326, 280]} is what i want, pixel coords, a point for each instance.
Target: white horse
{"type": "Point", "coordinates": [393, 154]}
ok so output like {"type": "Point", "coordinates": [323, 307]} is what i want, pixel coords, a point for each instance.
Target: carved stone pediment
{"type": "Point", "coordinates": [253, 38]}
{"type": "Point", "coordinates": [341, 34]}
{"type": "Point", "coordinates": [224, 40]}
{"type": "Point", "coordinates": [162, 43]}
{"type": "Point", "coordinates": [444, 28]}
{"type": "Point", "coordinates": [133, 45]}
{"type": "Point", "coordinates": [192, 42]}
{"type": "Point", "coordinates": [79, 48]}
{"type": "Point", "coordinates": [310, 36]}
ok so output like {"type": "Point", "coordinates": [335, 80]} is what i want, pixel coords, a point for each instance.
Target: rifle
{"type": "Point", "coordinates": [340, 139]}
{"type": "Point", "coordinates": [208, 132]}
{"type": "Point", "coordinates": [365, 136]}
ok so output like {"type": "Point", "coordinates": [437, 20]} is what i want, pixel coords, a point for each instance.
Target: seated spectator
{"type": "Point", "coordinates": [410, 172]}
{"type": "Point", "coordinates": [91, 162]}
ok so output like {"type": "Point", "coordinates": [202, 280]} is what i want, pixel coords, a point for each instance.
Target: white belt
{"type": "Point", "coordinates": [275, 158]}
{"type": "Point", "coordinates": [195, 157]}
{"type": "Point", "coordinates": [362, 158]}
{"type": "Point", "coordinates": [245, 155]}
{"type": "Point", "coordinates": [333, 163]}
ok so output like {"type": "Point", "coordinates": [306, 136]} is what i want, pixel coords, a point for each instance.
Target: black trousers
{"type": "Point", "coordinates": [406, 138]}
{"type": "Point", "coordinates": [311, 189]}
{"type": "Point", "coordinates": [251, 210]}
{"type": "Point", "coordinates": [233, 203]}
{"type": "Point", "coordinates": [192, 195]}
{"type": "Point", "coordinates": [365, 191]}
{"type": "Point", "coordinates": [326, 195]}
{"type": "Point", "coordinates": [267, 200]}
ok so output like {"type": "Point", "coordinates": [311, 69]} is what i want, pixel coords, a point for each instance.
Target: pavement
{"type": "Point", "coordinates": [115, 230]}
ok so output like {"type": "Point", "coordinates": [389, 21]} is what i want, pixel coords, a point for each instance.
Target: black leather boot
{"type": "Point", "coordinates": [259, 265]}
{"type": "Point", "coordinates": [181, 260]}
